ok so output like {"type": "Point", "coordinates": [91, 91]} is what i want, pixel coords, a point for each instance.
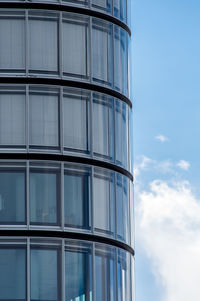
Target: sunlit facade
{"type": "Point", "coordinates": [66, 185]}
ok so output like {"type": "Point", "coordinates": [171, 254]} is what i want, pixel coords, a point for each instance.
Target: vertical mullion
{"type": "Point", "coordinates": [91, 124]}
{"type": "Point", "coordinates": [63, 270]}
{"type": "Point", "coordinates": [61, 119]}
{"type": "Point", "coordinates": [28, 268]}
{"type": "Point", "coordinates": [90, 48]}
{"type": "Point", "coordinates": [60, 50]}
{"type": "Point", "coordinates": [93, 273]}
{"type": "Point", "coordinates": [26, 42]}
{"type": "Point", "coordinates": [62, 197]}
{"type": "Point", "coordinates": [27, 195]}
{"type": "Point", "coordinates": [27, 117]}
{"type": "Point", "coordinates": [92, 199]}
{"type": "Point", "coordinates": [115, 204]}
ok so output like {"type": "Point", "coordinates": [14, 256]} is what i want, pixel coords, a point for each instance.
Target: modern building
{"type": "Point", "coordinates": [66, 185]}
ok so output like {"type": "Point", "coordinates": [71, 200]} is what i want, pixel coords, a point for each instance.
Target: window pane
{"type": "Point", "coordinates": [43, 44]}
{"type": "Point", "coordinates": [78, 270]}
{"type": "Point", "coordinates": [43, 119]}
{"type": "Point", "coordinates": [103, 125]}
{"type": "Point", "coordinates": [120, 60]}
{"type": "Point", "coordinates": [12, 40]}
{"type": "Point", "coordinates": [102, 4]}
{"type": "Point", "coordinates": [120, 9]}
{"type": "Point", "coordinates": [105, 274]}
{"type": "Point", "coordinates": [44, 196]}
{"type": "Point", "coordinates": [102, 52]}
{"type": "Point", "coordinates": [122, 203]}
{"type": "Point", "coordinates": [12, 196]}
{"type": "Point", "coordinates": [123, 276]}
{"type": "Point", "coordinates": [75, 116]}
{"type": "Point", "coordinates": [75, 46]}
{"type": "Point", "coordinates": [12, 119]}
{"type": "Point", "coordinates": [12, 274]}
{"type": "Point", "coordinates": [103, 201]}
{"type": "Point", "coordinates": [121, 129]}
{"type": "Point", "coordinates": [44, 274]}
{"type": "Point", "coordinates": [76, 198]}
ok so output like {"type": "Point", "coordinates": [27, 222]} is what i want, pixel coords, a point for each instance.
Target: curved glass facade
{"type": "Point", "coordinates": [66, 188]}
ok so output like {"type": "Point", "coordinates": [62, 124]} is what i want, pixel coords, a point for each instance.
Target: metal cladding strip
{"type": "Point", "coordinates": [66, 8]}
{"type": "Point", "coordinates": [65, 158]}
{"type": "Point", "coordinates": [70, 235]}
{"type": "Point", "coordinates": [63, 82]}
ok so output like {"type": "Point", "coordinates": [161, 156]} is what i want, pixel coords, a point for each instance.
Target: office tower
{"type": "Point", "coordinates": [66, 208]}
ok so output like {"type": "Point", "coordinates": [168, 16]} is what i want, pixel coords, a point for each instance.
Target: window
{"type": "Point", "coordinates": [102, 52]}
{"type": "Point", "coordinates": [12, 117]}
{"type": "Point", "coordinates": [76, 198]}
{"type": "Point", "coordinates": [120, 9]}
{"type": "Point", "coordinates": [105, 273]}
{"type": "Point", "coordinates": [103, 125]}
{"type": "Point", "coordinates": [78, 273]}
{"type": "Point", "coordinates": [121, 130]}
{"type": "Point", "coordinates": [43, 42]}
{"type": "Point", "coordinates": [12, 273]}
{"type": "Point", "coordinates": [43, 118]}
{"type": "Point", "coordinates": [103, 201]}
{"type": "Point", "coordinates": [45, 274]}
{"type": "Point", "coordinates": [44, 196]}
{"type": "Point", "coordinates": [120, 60]}
{"type": "Point", "coordinates": [102, 4]}
{"type": "Point", "coordinates": [123, 276]}
{"type": "Point", "coordinates": [12, 196]}
{"type": "Point", "coordinates": [76, 119]}
{"type": "Point", "coordinates": [12, 40]}
{"type": "Point", "coordinates": [75, 46]}
{"type": "Point", "coordinates": [122, 204]}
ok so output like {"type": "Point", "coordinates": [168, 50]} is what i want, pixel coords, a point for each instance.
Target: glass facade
{"type": "Point", "coordinates": [66, 188]}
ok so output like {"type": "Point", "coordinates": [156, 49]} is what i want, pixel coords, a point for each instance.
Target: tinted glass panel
{"type": "Point", "coordinates": [12, 40]}
{"type": "Point", "coordinates": [12, 274]}
{"type": "Point", "coordinates": [43, 119]}
{"type": "Point", "coordinates": [43, 43]}
{"type": "Point", "coordinates": [120, 60]}
{"type": "Point", "coordinates": [102, 52]}
{"type": "Point", "coordinates": [75, 116]}
{"type": "Point", "coordinates": [103, 125]}
{"type": "Point", "coordinates": [121, 130]}
{"type": "Point", "coordinates": [105, 274]}
{"type": "Point", "coordinates": [75, 46]}
{"type": "Point", "coordinates": [123, 276]}
{"type": "Point", "coordinates": [76, 192]}
{"type": "Point", "coordinates": [12, 118]}
{"type": "Point", "coordinates": [44, 196]}
{"type": "Point", "coordinates": [120, 9]}
{"type": "Point", "coordinates": [44, 275]}
{"type": "Point", "coordinates": [78, 282]}
{"type": "Point", "coordinates": [12, 196]}
{"type": "Point", "coordinates": [102, 4]}
{"type": "Point", "coordinates": [103, 201]}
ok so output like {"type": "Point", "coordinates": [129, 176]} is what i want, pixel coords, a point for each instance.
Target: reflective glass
{"type": "Point", "coordinates": [44, 196]}
{"type": "Point", "coordinates": [12, 40]}
{"type": "Point", "coordinates": [76, 119]}
{"type": "Point", "coordinates": [76, 199]}
{"type": "Point", "coordinates": [44, 274]}
{"type": "Point", "coordinates": [43, 118]}
{"type": "Point", "coordinates": [102, 52]}
{"type": "Point", "coordinates": [121, 130]}
{"type": "Point", "coordinates": [123, 276]}
{"type": "Point", "coordinates": [120, 9]}
{"type": "Point", "coordinates": [103, 201]}
{"type": "Point", "coordinates": [43, 42]}
{"type": "Point", "coordinates": [75, 46]}
{"type": "Point", "coordinates": [12, 196]}
{"type": "Point", "coordinates": [120, 60]}
{"type": "Point", "coordinates": [12, 273]}
{"type": "Point", "coordinates": [12, 118]}
{"type": "Point", "coordinates": [105, 274]}
{"type": "Point", "coordinates": [77, 2]}
{"type": "Point", "coordinates": [78, 272]}
{"type": "Point", "coordinates": [103, 125]}
{"type": "Point", "coordinates": [104, 5]}
{"type": "Point", "coordinates": [122, 204]}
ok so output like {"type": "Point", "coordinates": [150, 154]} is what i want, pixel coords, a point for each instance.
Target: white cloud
{"type": "Point", "coordinates": [161, 138]}
{"type": "Point", "coordinates": [183, 164]}
{"type": "Point", "coordinates": [143, 163]}
{"type": "Point", "coordinates": [168, 228]}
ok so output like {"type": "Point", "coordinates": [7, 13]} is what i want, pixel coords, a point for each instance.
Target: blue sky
{"type": "Point", "coordinates": [166, 101]}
